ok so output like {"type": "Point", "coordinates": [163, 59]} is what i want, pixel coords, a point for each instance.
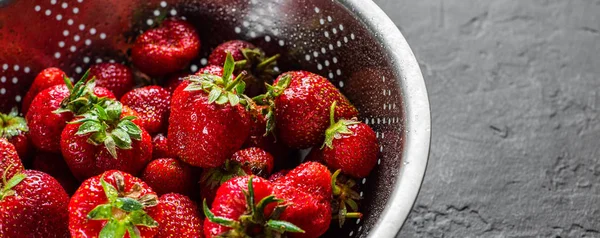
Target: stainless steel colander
{"type": "Point", "coordinates": [351, 42]}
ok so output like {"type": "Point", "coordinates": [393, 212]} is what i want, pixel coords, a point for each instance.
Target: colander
{"type": "Point", "coordinates": [351, 42]}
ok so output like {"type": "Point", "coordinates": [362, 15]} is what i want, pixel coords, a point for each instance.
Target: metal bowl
{"type": "Point", "coordinates": [351, 42]}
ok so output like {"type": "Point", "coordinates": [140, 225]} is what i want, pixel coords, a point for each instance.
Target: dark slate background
{"type": "Point", "coordinates": [515, 107]}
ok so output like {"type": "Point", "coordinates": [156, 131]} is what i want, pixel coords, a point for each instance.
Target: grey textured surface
{"type": "Point", "coordinates": [516, 116]}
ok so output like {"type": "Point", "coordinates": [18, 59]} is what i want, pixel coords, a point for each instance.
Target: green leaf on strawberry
{"type": "Point", "coordinates": [7, 185]}
{"type": "Point", "coordinates": [124, 210]}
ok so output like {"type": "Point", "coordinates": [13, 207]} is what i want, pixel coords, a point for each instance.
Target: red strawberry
{"type": "Point", "coordinates": [275, 177]}
{"type": "Point", "coordinates": [302, 100]}
{"type": "Point", "coordinates": [33, 204]}
{"type": "Point", "coordinates": [174, 81]}
{"type": "Point", "coordinates": [250, 161]}
{"type": "Point", "coordinates": [207, 124]}
{"type": "Point", "coordinates": [152, 103]}
{"type": "Point", "coordinates": [10, 164]}
{"type": "Point", "coordinates": [310, 177]}
{"type": "Point", "coordinates": [254, 161]}
{"type": "Point", "coordinates": [114, 76]}
{"type": "Point", "coordinates": [166, 49]}
{"type": "Point", "coordinates": [105, 138]}
{"type": "Point", "coordinates": [45, 79]}
{"type": "Point", "coordinates": [54, 165]}
{"type": "Point", "coordinates": [349, 145]}
{"type": "Point", "coordinates": [14, 129]}
{"type": "Point", "coordinates": [249, 58]}
{"type": "Point", "coordinates": [179, 217]}
{"type": "Point", "coordinates": [246, 207]}
{"type": "Point", "coordinates": [113, 204]}
{"type": "Point", "coordinates": [169, 176]}
{"type": "Point", "coordinates": [160, 148]}
{"type": "Point", "coordinates": [235, 47]}
{"type": "Point", "coordinates": [53, 107]}
{"type": "Point", "coordinates": [305, 211]}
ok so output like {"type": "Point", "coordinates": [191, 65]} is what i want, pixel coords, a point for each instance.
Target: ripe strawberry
{"type": "Point", "coordinates": [311, 177]}
{"type": "Point", "coordinates": [301, 102]}
{"type": "Point", "coordinates": [235, 47]}
{"type": "Point", "coordinates": [179, 217]}
{"type": "Point", "coordinates": [45, 79]}
{"type": "Point", "coordinates": [113, 204]}
{"type": "Point", "coordinates": [275, 177]}
{"type": "Point", "coordinates": [160, 148]}
{"type": "Point", "coordinates": [33, 204]}
{"type": "Point", "coordinates": [53, 107]}
{"type": "Point", "coordinates": [114, 76]}
{"type": "Point", "coordinates": [105, 138]}
{"type": "Point", "coordinates": [166, 49]}
{"type": "Point", "coordinates": [10, 164]}
{"type": "Point", "coordinates": [250, 161]}
{"type": "Point", "coordinates": [152, 103]}
{"type": "Point", "coordinates": [14, 129]}
{"type": "Point", "coordinates": [246, 207]}
{"type": "Point", "coordinates": [54, 165]}
{"type": "Point", "coordinates": [174, 81]}
{"type": "Point", "coordinates": [305, 211]}
{"type": "Point", "coordinates": [169, 176]}
{"type": "Point", "coordinates": [207, 122]}
{"type": "Point", "coordinates": [249, 58]}
{"type": "Point", "coordinates": [349, 145]}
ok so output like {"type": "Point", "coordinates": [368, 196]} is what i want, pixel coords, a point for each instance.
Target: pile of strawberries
{"type": "Point", "coordinates": [100, 158]}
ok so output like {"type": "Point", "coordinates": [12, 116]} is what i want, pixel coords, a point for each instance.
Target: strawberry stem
{"type": "Point", "coordinates": [6, 188]}
{"type": "Point", "coordinates": [265, 63]}
{"type": "Point", "coordinates": [332, 114]}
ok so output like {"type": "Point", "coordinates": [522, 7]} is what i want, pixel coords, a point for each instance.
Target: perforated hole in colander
{"type": "Point", "coordinates": [318, 36]}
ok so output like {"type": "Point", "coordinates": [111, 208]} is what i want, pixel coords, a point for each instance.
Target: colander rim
{"type": "Point", "coordinates": [417, 118]}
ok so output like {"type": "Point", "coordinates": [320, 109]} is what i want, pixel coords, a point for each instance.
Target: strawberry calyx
{"type": "Point", "coordinates": [221, 90]}
{"type": "Point", "coordinates": [12, 124]}
{"type": "Point", "coordinates": [254, 219]}
{"type": "Point", "coordinates": [81, 97]}
{"type": "Point", "coordinates": [344, 196]}
{"type": "Point", "coordinates": [107, 127]}
{"type": "Point", "coordinates": [256, 62]}
{"type": "Point", "coordinates": [124, 210]}
{"type": "Point", "coordinates": [268, 99]}
{"type": "Point", "coordinates": [214, 177]}
{"type": "Point", "coordinates": [337, 129]}
{"type": "Point", "coordinates": [8, 184]}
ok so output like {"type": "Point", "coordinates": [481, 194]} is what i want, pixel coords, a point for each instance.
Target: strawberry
{"type": "Point", "coordinates": [160, 148]}
{"type": "Point", "coordinates": [10, 164]}
{"type": "Point", "coordinates": [114, 76]}
{"type": "Point", "coordinates": [166, 49]}
{"type": "Point", "coordinates": [254, 161]}
{"type": "Point", "coordinates": [249, 58]}
{"type": "Point", "coordinates": [53, 107]}
{"type": "Point", "coordinates": [299, 108]}
{"type": "Point", "coordinates": [169, 176]}
{"type": "Point", "coordinates": [113, 204]}
{"type": "Point", "coordinates": [179, 217]}
{"type": "Point", "coordinates": [311, 177]}
{"type": "Point", "coordinates": [174, 81]}
{"type": "Point", "coordinates": [152, 104]}
{"type": "Point", "coordinates": [305, 211]}
{"type": "Point", "coordinates": [33, 204]}
{"type": "Point", "coordinates": [250, 161]}
{"type": "Point", "coordinates": [207, 122]}
{"type": "Point", "coordinates": [105, 138]}
{"type": "Point", "coordinates": [349, 145]}
{"type": "Point", "coordinates": [278, 175]}
{"type": "Point", "coordinates": [246, 207]}
{"type": "Point", "coordinates": [14, 129]}
{"type": "Point", "coordinates": [45, 79]}
{"type": "Point", "coordinates": [54, 165]}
